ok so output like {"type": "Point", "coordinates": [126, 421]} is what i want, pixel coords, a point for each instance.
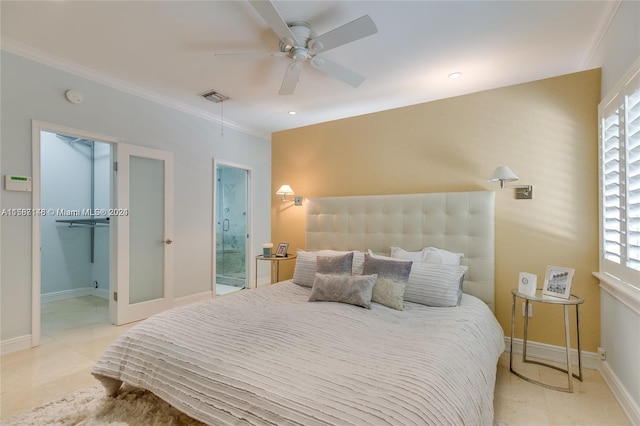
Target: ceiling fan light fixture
{"type": "Point", "coordinates": [316, 45]}
{"type": "Point", "coordinates": [298, 41]}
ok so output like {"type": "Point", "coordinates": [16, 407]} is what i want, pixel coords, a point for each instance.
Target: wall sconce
{"type": "Point", "coordinates": [285, 190]}
{"type": "Point", "coordinates": [504, 174]}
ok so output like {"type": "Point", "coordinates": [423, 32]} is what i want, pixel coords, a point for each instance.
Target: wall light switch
{"type": "Point", "coordinates": [530, 309]}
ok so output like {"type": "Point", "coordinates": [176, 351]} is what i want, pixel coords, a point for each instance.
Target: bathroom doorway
{"type": "Point", "coordinates": [231, 220]}
{"type": "Point", "coordinates": [75, 193]}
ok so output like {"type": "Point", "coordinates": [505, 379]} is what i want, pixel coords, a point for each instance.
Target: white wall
{"type": "Point", "coordinates": [31, 90]}
{"type": "Point", "coordinates": [66, 185]}
{"type": "Point", "coordinates": [618, 50]}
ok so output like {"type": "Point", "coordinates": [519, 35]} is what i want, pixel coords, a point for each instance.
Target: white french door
{"type": "Point", "coordinates": [144, 250]}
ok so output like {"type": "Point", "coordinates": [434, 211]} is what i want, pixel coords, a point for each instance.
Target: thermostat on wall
{"type": "Point", "coordinates": [17, 183]}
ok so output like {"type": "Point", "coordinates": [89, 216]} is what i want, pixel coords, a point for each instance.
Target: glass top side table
{"type": "Point", "coordinates": [565, 303]}
{"type": "Point", "coordinates": [275, 265]}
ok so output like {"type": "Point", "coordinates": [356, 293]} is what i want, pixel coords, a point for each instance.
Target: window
{"type": "Point", "coordinates": [619, 128]}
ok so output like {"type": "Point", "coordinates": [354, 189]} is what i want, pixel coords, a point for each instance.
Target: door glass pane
{"type": "Point", "coordinates": [146, 229]}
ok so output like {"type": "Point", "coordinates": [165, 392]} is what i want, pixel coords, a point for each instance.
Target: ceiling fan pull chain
{"type": "Point", "coordinates": [221, 118]}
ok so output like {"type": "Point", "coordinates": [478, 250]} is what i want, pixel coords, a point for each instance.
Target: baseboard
{"type": "Point", "coordinates": [187, 300]}
{"type": "Point", "coordinates": [590, 360]}
{"type": "Point", "coordinates": [16, 344]}
{"type": "Point", "coordinates": [65, 294]}
{"type": "Point", "coordinates": [620, 393]}
{"type": "Point", "coordinates": [554, 353]}
{"type": "Point", "coordinates": [100, 292]}
{"type": "Point", "coordinates": [263, 281]}
{"type": "Point", "coordinates": [104, 293]}
{"type": "Point", "coordinates": [75, 292]}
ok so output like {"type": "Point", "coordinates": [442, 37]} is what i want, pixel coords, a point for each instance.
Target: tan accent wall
{"type": "Point", "coordinates": [545, 131]}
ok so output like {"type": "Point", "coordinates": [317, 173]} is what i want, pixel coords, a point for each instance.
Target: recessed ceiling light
{"type": "Point", "coordinates": [292, 113]}
{"type": "Point", "coordinates": [455, 75]}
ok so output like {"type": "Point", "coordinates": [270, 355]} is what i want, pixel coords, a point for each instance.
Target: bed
{"type": "Point", "coordinates": [268, 356]}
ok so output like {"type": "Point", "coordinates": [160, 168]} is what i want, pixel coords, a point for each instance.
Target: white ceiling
{"type": "Point", "coordinates": [165, 50]}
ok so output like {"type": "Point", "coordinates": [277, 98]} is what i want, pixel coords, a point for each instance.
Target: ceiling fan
{"type": "Point", "coordinates": [300, 43]}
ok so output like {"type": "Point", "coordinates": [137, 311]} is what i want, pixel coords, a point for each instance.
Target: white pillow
{"type": "Point", "coordinates": [435, 284]}
{"type": "Point", "coordinates": [415, 256]}
{"type": "Point", "coordinates": [304, 272]}
{"type": "Point", "coordinates": [436, 255]}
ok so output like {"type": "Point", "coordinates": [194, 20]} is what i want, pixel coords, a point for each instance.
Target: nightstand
{"type": "Point", "coordinates": [275, 266]}
{"type": "Point", "coordinates": [565, 303]}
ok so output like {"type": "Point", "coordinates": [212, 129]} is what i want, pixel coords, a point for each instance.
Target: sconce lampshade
{"type": "Point", "coordinates": [285, 190]}
{"type": "Point", "coordinates": [503, 174]}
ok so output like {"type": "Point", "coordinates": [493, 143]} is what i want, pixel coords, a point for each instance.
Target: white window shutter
{"type": "Point", "coordinates": [611, 182]}
{"type": "Point", "coordinates": [619, 162]}
{"type": "Point", "coordinates": [632, 150]}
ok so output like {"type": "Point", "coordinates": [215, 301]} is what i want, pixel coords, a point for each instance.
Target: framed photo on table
{"type": "Point", "coordinates": [557, 282]}
{"type": "Point", "coordinates": [282, 250]}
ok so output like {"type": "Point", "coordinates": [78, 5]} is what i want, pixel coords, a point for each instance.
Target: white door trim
{"type": "Point", "coordinates": [36, 285]}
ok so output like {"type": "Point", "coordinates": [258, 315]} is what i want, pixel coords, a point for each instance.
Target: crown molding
{"type": "Point", "coordinates": [41, 57]}
{"type": "Point", "coordinates": [601, 32]}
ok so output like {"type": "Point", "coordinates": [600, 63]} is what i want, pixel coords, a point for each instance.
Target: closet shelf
{"type": "Point", "coordinates": [91, 223]}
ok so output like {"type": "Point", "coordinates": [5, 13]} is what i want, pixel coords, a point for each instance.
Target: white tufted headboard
{"type": "Point", "coordinates": [455, 221]}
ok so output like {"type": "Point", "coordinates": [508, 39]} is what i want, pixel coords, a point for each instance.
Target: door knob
{"type": "Point", "coordinates": [167, 241]}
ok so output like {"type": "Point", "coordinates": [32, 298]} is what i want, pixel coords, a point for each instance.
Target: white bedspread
{"type": "Point", "coordinates": [269, 357]}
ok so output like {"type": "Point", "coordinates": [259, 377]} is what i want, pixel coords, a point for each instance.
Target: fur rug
{"type": "Point", "coordinates": [91, 407]}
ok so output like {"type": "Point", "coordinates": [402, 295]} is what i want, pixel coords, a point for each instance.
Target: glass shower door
{"type": "Point", "coordinates": [231, 228]}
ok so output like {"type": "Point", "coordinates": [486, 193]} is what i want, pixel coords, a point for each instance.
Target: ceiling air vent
{"type": "Point", "coordinates": [214, 96]}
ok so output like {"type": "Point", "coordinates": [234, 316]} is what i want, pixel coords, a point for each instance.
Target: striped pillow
{"type": "Point", "coordinates": [435, 285]}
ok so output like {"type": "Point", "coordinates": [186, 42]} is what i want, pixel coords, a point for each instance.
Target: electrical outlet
{"type": "Point", "coordinates": [602, 353]}
{"type": "Point", "coordinates": [530, 309]}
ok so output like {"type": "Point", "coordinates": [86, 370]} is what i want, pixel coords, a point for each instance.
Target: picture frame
{"type": "Point", "coordinates": [557, 282]}
{"type": "Point", "coordinates": [282, 250]}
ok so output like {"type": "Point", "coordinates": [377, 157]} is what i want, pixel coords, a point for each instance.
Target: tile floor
{"type": "Point", "coordinates": [222, 289]}
{"type": "Point", "coordinates": [76, 331]}
{"type": "Point", "coordinates": [518, 402]}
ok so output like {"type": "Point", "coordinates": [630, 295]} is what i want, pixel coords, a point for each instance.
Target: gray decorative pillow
{"type": "Point", "coordinates": [305, 269]}
{"type": "Point", "coordinates": [338, 265]}
{"type": "Point", "coordinates": [389, 292]}
{"type": "Point", "coordinates": [351, 289]}
{"type": "Point", "coordinates": [435, 285]}
{"type": "Point", "coordinates": [393, 276]}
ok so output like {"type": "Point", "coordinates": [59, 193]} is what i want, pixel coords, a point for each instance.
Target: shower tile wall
{"type": "Point", "coordinates": [231, 226]}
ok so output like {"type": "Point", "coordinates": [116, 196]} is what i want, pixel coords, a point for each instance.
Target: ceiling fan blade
{"type": "Point", "coordinates": [270, 14]}
{"type": "Point", "coordinates": [252, 54]}
{"type": "Point", "coordinates": [354, 30]}
{"type": "Point", "coordinates": [352, 78]}
{"type": "Point", "coordinates": [290, 78]}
